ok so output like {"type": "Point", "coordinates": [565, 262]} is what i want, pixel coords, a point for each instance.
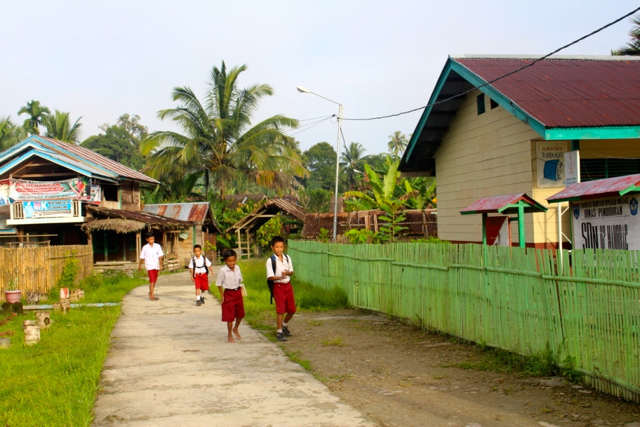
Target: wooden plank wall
{"type": "Point", "coordinates": [38, 269]}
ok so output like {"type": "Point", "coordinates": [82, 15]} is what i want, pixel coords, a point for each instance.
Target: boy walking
{"type": "Point", "coordinates": [279, 271]}
{"type": "Point", "coordinates": [199, 267]}
{"type": "Point", "coordinates": [230, 285]}
{"type": "Point", "coordinates": [152, 256]}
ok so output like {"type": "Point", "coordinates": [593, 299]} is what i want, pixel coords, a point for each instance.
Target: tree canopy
{"type": "Point", "coordinates": [320, 160]}
{"type": "Point", "coordinates": [120, 142]}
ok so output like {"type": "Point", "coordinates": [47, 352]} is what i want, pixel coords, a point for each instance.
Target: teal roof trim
{"type": "Point", "coordinates": [24, 144]}
{"type": "Point", "coordinates": [45, 156]}
{"type": "Point", "coordinates": [609, 132]}
{"type": "Point", "coordinates": [80, 159]}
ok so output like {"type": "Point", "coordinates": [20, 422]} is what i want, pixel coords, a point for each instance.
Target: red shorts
{"type": "Point", "coordinates": [202, 281]}
{"type": "Point", "coordinates": [285, 301]}
{"type": "Point", "coordinates": [233, 305]}
{"type": "Point", "coordinates": [153, 276]}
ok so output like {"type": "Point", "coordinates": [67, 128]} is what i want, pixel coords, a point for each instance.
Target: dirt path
{"type": "Point", "coordinates": [400, 376]}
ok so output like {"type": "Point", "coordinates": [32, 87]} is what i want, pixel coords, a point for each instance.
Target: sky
{"type": "Point", "coordinates": [99, 60]}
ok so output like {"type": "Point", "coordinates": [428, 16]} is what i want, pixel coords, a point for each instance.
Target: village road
{"type": "Point", "coordinates": [170, 365]}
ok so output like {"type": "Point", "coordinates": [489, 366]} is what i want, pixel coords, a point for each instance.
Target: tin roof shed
{"type": "Point", "coordinates": [601, 188]}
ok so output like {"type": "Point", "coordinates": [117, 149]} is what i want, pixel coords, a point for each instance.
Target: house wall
{"type": "Point", "coordinates": [481, 156]}
{"type": "Point", "coordinates": [130, 196]}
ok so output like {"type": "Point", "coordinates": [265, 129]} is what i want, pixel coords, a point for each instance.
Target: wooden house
{"type": "Point", "coordinates": [489, 133]}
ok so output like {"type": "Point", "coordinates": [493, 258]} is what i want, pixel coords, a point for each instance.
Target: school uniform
{"type": "Point", "coordinates": [231, 281]}
{"type": "Point", "coordinates": [151, 256]}
{"type": "Point", "coordinates": [200, 266]}
{"type": "Point", "coordinates": [282, 289]}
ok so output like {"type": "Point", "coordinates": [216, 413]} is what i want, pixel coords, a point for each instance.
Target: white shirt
{"type": "Point", "coordinates": [228, 278]}
{"type": "Point", "coordinates": [200, 263]}
{"type": "Point", "coordinates": [281, 265]}
{"type": "Point", "coordinates": [150, 255]}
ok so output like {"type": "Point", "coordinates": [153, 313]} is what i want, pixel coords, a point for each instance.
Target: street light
{"type": "Point", "coordinates": [335, 201]}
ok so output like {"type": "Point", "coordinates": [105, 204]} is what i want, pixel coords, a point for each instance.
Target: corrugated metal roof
{"type": "Point", "coordinates": [100, 160]}
{"type": "Point", "coordinates": [600, 188]}
{"type": "Point", "coordinates": [567, 92]}
{"type": "Point", "coordinates": [191, 212]}
{"type": "Point", "coordinates": [497, 204]}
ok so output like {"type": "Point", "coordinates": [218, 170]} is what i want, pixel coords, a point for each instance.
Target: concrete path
{"type": "Point", "coordinates": [170, 365]}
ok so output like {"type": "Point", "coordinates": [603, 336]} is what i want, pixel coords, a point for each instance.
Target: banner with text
{"type": "Point", "coordinates": [606, 224]}
{"type": "Point", "coordinates": [47, 209]}
{"type": "Point", "coordinates": [76, 189]}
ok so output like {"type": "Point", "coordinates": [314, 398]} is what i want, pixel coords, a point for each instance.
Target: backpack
{"type": "Point", "coordinates": [273, 267]}
{"type": "Point", "coordinates": [204, 261]}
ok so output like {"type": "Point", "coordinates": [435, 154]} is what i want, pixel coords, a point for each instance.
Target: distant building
{"type": "Point", "coordinates": [510, 136]}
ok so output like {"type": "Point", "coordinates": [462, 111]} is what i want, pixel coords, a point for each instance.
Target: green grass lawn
{"type": "Point", "coordinates": [261, 315]}
{"type": "Point", "coordinates": [55, 382]}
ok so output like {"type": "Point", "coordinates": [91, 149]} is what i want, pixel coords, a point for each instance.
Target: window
{"type": "Point", "coordinates": [493, 104]}
{"type": "Point", "coordinates": [592, 169]}
{"type": "Point", "coordinates": [480, 101]}
{"type": "Point", "coordinates": [110, 192]}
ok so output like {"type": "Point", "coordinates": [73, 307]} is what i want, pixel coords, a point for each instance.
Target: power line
{"type": "Point", "coordinates": [309, 126]}
{"type": "Point", "coordinates": [503, 76]}
{"type": "Point", "coordinates": [316, 118]}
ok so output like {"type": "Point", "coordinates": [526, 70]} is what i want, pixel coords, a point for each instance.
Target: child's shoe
{"type": "Point", "coordinates": [286, 332]}
{"type": "Point", "coordinates": [198, 303]}
{"type": "Point", "coordinates": [281, 337]}
{"type": "Point", "coordinates": [202, 299]}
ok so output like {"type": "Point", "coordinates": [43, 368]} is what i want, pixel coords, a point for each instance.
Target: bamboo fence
{"type": "Point", "coordinates": [516, 299]}
{"type": "Point", "coordinates": [37, 269]}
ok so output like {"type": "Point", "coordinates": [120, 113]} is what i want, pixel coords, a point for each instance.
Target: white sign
{"type": "Point", "coordinates": [606, 224]}
{"type": "Point", "coordinates": [550, 163]}
{"type": "Point", "coordinates": [571, 167]}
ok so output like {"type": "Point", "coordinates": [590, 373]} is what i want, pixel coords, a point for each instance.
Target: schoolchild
{"type": "Point", "coordinates": [230, 285]}
{"type": "Point", "coordinates": [199, 267]}
{"type": "Point", "coordinates": [152, 256]}
{"type": "Point", "coordinates": [282, 289]}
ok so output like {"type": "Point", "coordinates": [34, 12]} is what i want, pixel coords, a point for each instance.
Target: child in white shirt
{"type": "Point", "coordinates": [152, 256]}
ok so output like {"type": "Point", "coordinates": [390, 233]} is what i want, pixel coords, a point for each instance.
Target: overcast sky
{"type": "Point", "coordinates": [99, 60]}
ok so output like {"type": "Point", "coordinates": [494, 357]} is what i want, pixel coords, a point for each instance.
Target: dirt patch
{"type": "Point", "coordinates": [400, 376]}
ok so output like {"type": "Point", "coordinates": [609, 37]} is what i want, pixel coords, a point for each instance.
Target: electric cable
{"type": "Point", "coordinates": [500, 77]}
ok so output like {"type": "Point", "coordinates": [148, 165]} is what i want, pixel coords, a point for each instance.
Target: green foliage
{"type": "Point", "coordinates": [351, 164]}
{"type": "Point", "coordinates": [361, 236]}
{"type": "Point", "coordinates": [397, 144]}
{"type": "Point", "coordinates": [320, 160]}
{"type": "Point", "coordinates": [121, 141]}
{"type": "Point", "coordinates": [69, 275]}
{"type": "Point", "coordinates": [269, 230]}
{"type": "Point", "coordinates": [10, 133]}
{"type": "Point", "coordinates": [632, 48]}
{"type": "Point", "coordinates": [59, 127]}
{"type": "Point", "coordinates": [324, 235]}
{"type": "Point", "coordinates": [36, 114]}
{"type": "Point", "coordinates": [318, 200]}
{"type": "Point", "coordinates": [432, 240]}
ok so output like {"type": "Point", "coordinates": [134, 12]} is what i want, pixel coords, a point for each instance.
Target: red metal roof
{"type": "Point", "coordinates": [567, 92]}
{"type": "Point", "coordinates": [496, 204]}
{"type": "Point", "coordinates": [100, 160]}
{"type": "Point", "coordinates": [609, 187]}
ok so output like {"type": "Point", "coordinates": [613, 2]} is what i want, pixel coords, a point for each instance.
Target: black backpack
{"type": "Point", "coordinates": [273, 267]}
{"type": "Point", "coordinates": [204, 261]}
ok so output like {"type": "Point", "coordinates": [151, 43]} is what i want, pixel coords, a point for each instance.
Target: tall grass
{"type": "Point", "coordinates": [55, 382]}
{"type": "Point", "coordinates": [262, 315]}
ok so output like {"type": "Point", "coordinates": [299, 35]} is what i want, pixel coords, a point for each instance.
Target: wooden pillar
{"type": "Point", "coordinates": [124, 247]}
{"type": "Point", "coordinates": [248, 245]}
{"type": "Point", "coordinates": [138, 246]}
{"type": "Point", "coordinates": [105, 247]}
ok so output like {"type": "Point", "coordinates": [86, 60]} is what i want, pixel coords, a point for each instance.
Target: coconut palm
{"type": "Point", "coordinates": [633, 47]}
{"type": "Point", "coordinates": [397, 143]}
{"type": "Point", "coordinates": [219, 140]}
{"type": "Point", "coordinates": [350, 162]}
{"type": "Point", "coordinates": [36, 114]}
{"type": "Point", "coordinates": [59, 127]}
{"type": "Point", "coordinates": [10, 133]}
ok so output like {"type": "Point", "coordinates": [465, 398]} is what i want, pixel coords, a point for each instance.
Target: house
{"type": "Point", "coordinates": [509, 136]}
{"type": "Point", "coordinates": [202, 229]}
{"type": "Point", "coordinates": [67, 194]}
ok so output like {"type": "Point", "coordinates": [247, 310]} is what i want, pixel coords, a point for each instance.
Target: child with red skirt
{"type": "Point", "coordinates": [199, 267]}
{"type": "Point", "coordinates": [230, 285]}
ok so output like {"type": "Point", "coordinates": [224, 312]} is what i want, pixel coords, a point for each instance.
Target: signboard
{"type": "Point", "coordinates": [96, 193]}
{"type": "Point", "coordinates": [550, 163]}
{"type": "Point", "coordinates": [76, 189]}
{"type": "Point", "coordinates": [47, 209]}
{"type": "Point", "coordinates": [571, 167]}
{"type": "Point", "coordinates": [4, 192]}
{"type": "Point", "coordinates": [606, 224]}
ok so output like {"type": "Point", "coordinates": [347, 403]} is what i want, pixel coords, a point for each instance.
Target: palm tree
{"type": "Point", "coordinates": [397, 143]}
{"type": "Point", "coordinates": [36, 114]}
{"type": "Point", "coordinates": [10, 133]}
{"type": "Point", "coordinates": [219, 140]}
{"type": "Point", "coordinates": [59, 127]}
{"type": "Point", "coordinates": [350, 161]}
{"type": "Point", "coordinates": [633, 47]}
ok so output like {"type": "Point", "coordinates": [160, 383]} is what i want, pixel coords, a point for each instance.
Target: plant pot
{"type": "Point", "coordinates": [13, 296]}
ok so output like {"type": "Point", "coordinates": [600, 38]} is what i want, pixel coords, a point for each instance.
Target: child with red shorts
{"type": "Point", "coordinates": [199, 267]}
{"type": "Point", "coordinates": [230, 285]}
{"type": "Point", "coordinates": [151, 255]}
{"type": "Point", "coordinates": [282, 290]}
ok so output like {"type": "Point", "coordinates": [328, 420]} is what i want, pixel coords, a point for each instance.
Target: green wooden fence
{"type": "Point", "coordinates": [515, 299]}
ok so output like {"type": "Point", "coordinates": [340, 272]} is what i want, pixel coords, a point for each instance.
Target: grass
{"type": "Point", "coordinates": [261, 315]}
{"type": "Point", "coordinates": [55, 382]}
{"type": "Point", "coordinates": [333, 342]}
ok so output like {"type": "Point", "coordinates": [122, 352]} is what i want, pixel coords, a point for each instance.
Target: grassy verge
{"type": "Point", "coordinates": [55, 382]}
{"type": "Point", "coordinates": [261, 314]}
